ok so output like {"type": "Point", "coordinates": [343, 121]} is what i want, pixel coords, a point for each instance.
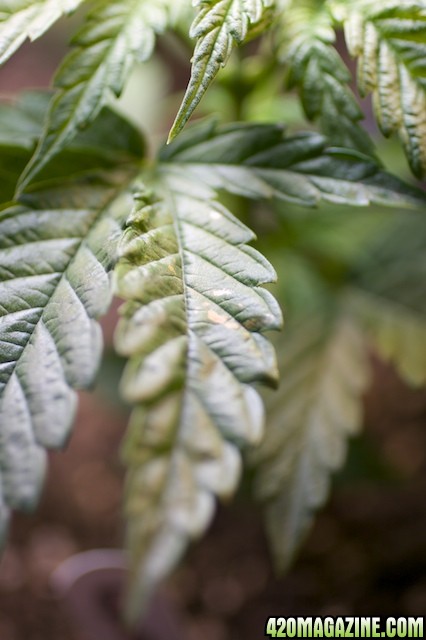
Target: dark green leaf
{"type": "Point", "coordinates": [260, 161]}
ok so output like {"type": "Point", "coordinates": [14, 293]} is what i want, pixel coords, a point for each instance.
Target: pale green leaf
{"type": "Point", "coordinates": [22, 19]}
{"type": "Point", "coordinates": [318, 406]}
{"type": "Point", "coordinates": [114, 36]}
{"type": "Point", "coordinates": [192, 330]}
{"type": "Point", "coordinates": [260, 161]}
{"type": "Point", "coordinates": [218, 27]}
{"type": "Point", "coordinates": [55, 256]}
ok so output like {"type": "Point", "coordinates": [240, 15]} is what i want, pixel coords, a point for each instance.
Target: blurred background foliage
{"type": "Point", "coordinates": [353, 360]}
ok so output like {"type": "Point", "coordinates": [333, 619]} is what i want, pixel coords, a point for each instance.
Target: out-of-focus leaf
{"type": "Point", "coordinates": [22, 19]}
{"type": "Point", "coordinates": [390, 297]}
{"type": "Point", "coordinates": [315, 67]}
{"type": "Point", "coordinates": [325, 372]}
{"type": "Point", "coordinates": [114, 36]}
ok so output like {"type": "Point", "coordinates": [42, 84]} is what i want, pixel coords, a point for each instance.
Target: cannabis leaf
{"type": "Point", "coordinates": [192, 330]}
{"type": "Point", "coordinates": [377, 299]}
{"type": "Point", "coordinates": [114, 36]}
{"type": "Point", "coordinates": [305, 45]}
{"type": "Point", "coordinates": [397, 335]}
{"type": "Point", "coordinates": [191, 327]}
{"type": "Point", "coordinates": [219, 25]}
{"type": "Point", "coordinates": [260, 161]}
{"type": "Point", "coordinates": [390, 42]}
{"type": "Point", "coordinates": [22, 19]}
{"type": "Point", "coordinates": [389, 296]}
{"type": "Point", "coordinates": [308, 422]}
{"type": "Point", "coordinates": [56, 250]}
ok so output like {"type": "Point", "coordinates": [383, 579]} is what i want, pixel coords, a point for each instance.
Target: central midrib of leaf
{"type": "Point", "coordinates": [189, 333]}
{"type": "Point", "coordinates": [174, 451]}
{"type": "Point", "coordinates": [219, 30]}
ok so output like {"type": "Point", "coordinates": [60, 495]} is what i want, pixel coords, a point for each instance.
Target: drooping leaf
{"type": "Point", "coordinates": [218, 27]}
{"type": "Point", "coordinates": [115, 35]}
{"type": "Point", "coordinates": [22, 19]}
{"type": "Point", "coordinates": [192, 330]}
{"type": "Point", "coordinates": [389, 40]}
{"type": "Point", "coordinates": [318, 406]}
{"type": "Point", "coordinates": [306, 39]}
{"type": "Point", "coordinates": [56, 250]}
{"type": "Point", "coordinates": [260, 161]}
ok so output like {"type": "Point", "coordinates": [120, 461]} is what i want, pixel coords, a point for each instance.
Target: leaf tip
{"type": "Point", "coordinates": [172, 135]}
{"type": "Point", "coordinates": [176, 128]}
